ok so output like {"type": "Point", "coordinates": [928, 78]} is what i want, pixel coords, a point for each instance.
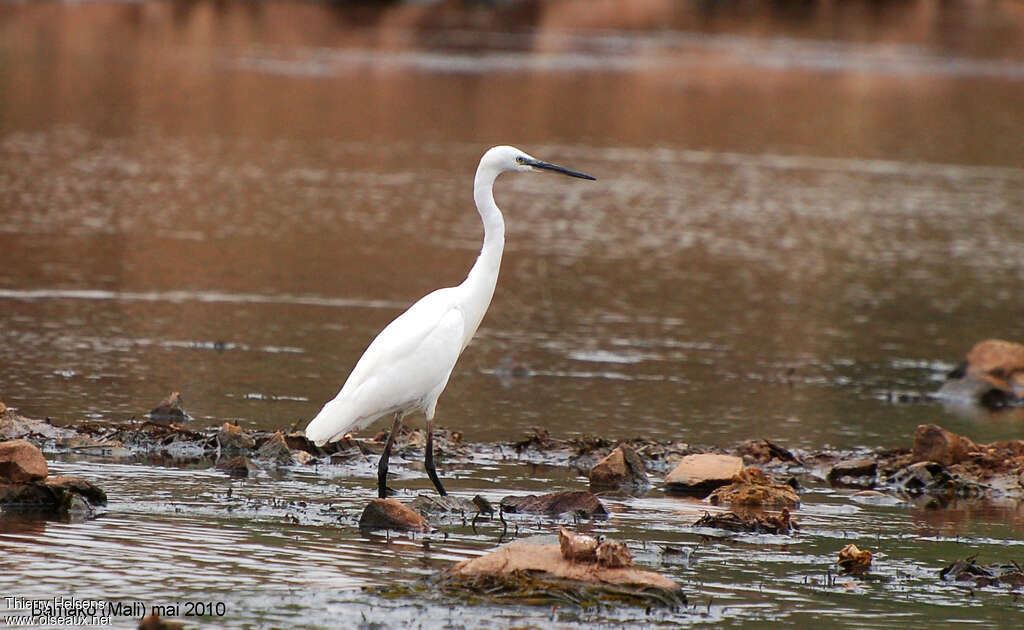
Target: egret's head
{"type": "Point", "coordinates": [505, 158]}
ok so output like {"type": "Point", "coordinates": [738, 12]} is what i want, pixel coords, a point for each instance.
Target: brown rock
{"type": "Point", "coordinates": [232, 438]}
{"type": "Point", "coordinates": [530, 557]}
{"type": "Point", "coordinates": [56, 495]}
{"type": "Point", "coordinates": [622, 467]}
{"type": "Point", "coordinates": [854, 560]}
{"type": "Point", "coordinates": [751, 488]}
{"type": "Point", "coordinates": [614, 554]}
{"type": "Point", "coordinates": [390, 514]}
{"type": "Point", "coordinates": [86, 489]}
{"type": "Point", "coordinates": [21, 461]}
{"type": "Point", "coordinates": [700, 474]}
{"type": "Point", "coordinates": [577, 547]}
{"type": "Point", "coordinates": [276, 449]}
{"type": "Point", "coordinates": [932, 443]}
{"type": "Point", "coordinates": [170, 409]}
{"type": "Point", "coordinates": [753, 523]}
{"type": "Point", "coordinates": [577, 502]}
{"type": "Point", "coordinates": [996, 358]}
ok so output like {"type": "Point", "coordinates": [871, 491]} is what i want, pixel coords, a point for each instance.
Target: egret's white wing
{"type": "Point", "coordinates": [405, 368]}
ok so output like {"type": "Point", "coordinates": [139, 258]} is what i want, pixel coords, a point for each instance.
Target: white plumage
{"type": "Point", "coordinates": [408, 364]}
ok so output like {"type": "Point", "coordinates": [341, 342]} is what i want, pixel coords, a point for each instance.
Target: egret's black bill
{"type": "Point", "coordinates": [559, 169]}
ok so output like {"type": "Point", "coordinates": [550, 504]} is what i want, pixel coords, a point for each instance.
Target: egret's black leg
{"type": "Point", "coordinates": [428, 461]}
{"type": "Point", "coordinates": [382, 466]}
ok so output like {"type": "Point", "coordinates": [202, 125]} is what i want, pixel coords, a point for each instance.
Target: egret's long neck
{"type": "Point", "coordinates": [479, 284]}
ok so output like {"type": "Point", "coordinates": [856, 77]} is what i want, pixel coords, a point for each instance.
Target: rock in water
{"type": "Point", "coordinates": [170, 409]}
{"type": "Point", "coordinates": [751, 488]}
{"type": "Point", "coordinates": [577, 547]}
{"type": "Point", "coordinates": [390, 514]}
{"type": "Point", "coordinates": [153, 621]}
{"type": "Point", "coordinates": [533, 558]}
{"type": "Point", "coordinates": [700, 474]}
{"type": "Point", "coordinates": [992, 374]}
{"type": "Point", "coordinates": [932, 443]}
{"type": "Point", "coordinates": [21, 461]}
{"type": "Point", "coordinates": [237, 466]}
{"type": "Point", "coordinates": [621, 468]}
{"type": "Point", "coordinates": [276, 449]}
{"type": "Point", "coordinates": [854, 560]}
{"type": "Point", "coordinates": [576, 502]}
{"type": "Point", "coordinates": [232, 438]}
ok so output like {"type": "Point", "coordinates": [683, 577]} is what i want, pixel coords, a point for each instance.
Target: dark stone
{"type": "Point", "coordinates": [56, 495]}
{"type": "Point", "coordinates": [577, 502]}
{"type": "Point", "coordinates": [390, 514]}
{"type": "Point", "coordinates": [238, 466]}
{"type": "Point", "coordinates": [854, 473]}
{"type": "Point", "coordinates": [749, 523]}
{"type": "Point", "coordinates": [170, 410]}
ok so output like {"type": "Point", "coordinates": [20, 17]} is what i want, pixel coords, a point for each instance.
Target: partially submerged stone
{"type": "Point", "coordinates": [547, 560]}
{"type": "Point", "coordinates": [276, 450]}
{"type": "Point", "coordinates": [232, 438]}
{"type": "Point", "coordinates": [237, 466]}
{"type": "Point", "coordinates": [782, 523]}
{"type": "Point", "coordinates": [702, 473]}
{"type": "Point", "coordinates": [575, 502]}
{"type": "Point", "coordinates": [751, 488]}
{"type": "Point", "coordinates": [55, 496]}
{"type": "Point", "coordinates": [21, 461]}
{"type": "Point", "coordinates": [622, 468]}
{"type": "Point", "coordinates": [992, 375]}
{"type": "Point", "coordinates": [153, 621]}
{"type": "Point", "coordinates": [932, 443]}
{"type": "Point", "coordinates": [854, 473]}
{"type": "Point", "coordinates": [390, 514]}
{"type": "Point", "coordinates": [1010, 575]}
{"type": "Point", "coordinates": [170, 409]}
{"type": "Point", "coordinates": [854, 560]}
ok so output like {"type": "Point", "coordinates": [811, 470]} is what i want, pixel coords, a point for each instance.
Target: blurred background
{"type": "Point", "coordinates": [804, 210]}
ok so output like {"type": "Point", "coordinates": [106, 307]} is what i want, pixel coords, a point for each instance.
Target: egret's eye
{"type": "Point", "coordinates": [521, 160]}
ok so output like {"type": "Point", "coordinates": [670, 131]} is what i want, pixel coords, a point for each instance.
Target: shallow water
{"type": "Point", "coordinates": [797, 213]}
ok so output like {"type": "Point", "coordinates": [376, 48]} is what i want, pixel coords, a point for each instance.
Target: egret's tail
{"type": "Point", "coordinates": [328, 426]}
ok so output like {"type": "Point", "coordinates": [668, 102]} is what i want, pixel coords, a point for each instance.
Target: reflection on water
{"type": "Point", "coordinates": [800, 209]}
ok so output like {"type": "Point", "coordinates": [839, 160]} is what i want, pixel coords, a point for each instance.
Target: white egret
{"type": "Point", "coordinates": [407, 366]}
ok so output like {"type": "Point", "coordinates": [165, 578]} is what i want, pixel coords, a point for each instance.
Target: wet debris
{"type": "Point", "coordinates": [854, 560]}
{"type": "Point", "coordinates": [1010, 575]}
{"type": "Point", "coordinates": [578, 503]}
{"type": "Point", "coordinates": [992, 375]}
{"type": "Point", "coordinates": [622, 469]}
{"type": "Point", "coordinates": [26, 487]}
{"type": "Point", "coordinates": [390, 514]}
{"type": "Point", "coordinates": [781, 523]}
{"type": "Point", "coordinates": [170, 409]}
{"type": "Point", "coordinates": [275, 450]}
{"type": "Point", "coordinates": [752, 488]}
{"type": "Point", "coordinates": [537, 572]}
{"type": "Point", "coordinates": [700, 474]}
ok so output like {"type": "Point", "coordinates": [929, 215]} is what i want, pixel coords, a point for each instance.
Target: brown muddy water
{"type": "Point", "coordinates": [799, 211]}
